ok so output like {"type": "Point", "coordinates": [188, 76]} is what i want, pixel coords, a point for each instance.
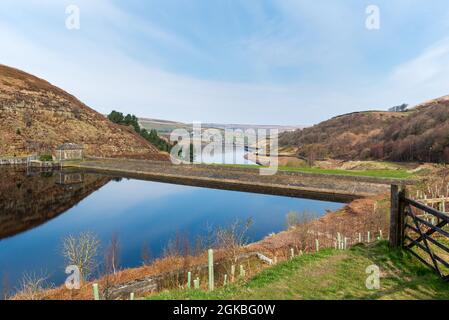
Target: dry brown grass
{"type": "Point", "coordinates": [167, 265]}
{"type": "Point", "coordinates": [360, 216]}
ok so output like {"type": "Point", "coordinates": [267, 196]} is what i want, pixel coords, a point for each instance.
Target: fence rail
{"type": "Point", "coordinates": [426, 239]}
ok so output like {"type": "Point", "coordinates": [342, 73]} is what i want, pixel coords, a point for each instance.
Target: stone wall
{"type": "Point", "coordinates": [14, 161]}
{"type": "Point", "coordinates": [308, 185]}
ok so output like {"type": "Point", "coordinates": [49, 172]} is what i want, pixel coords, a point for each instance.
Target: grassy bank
{"type": "Point", "coordinates": [397, 174]}
{"type": "Point", "coordinates": [332, 274]}
{"type": "Point", "coordinates": [392, 174]}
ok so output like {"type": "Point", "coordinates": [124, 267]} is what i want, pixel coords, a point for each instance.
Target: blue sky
{"type": "Point", "coordinates": [239, 61]}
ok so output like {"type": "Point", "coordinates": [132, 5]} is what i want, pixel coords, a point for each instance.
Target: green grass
{"type": "Point", "coordinates": [393, 174]}
{"type": "Point", "coordinates": [397, 174]}
{"type": "Point", "coordinates": [332, 274]}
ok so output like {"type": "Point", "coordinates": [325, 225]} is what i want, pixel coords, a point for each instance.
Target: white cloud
{"type": "Point", "coordinates": [115, 81]}
{"type": "Point", "coordinates": [425, 76]}
{"type": "Point", "coordinates": [94, 67]}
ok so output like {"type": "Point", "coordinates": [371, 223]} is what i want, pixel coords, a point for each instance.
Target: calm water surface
{"type": "Point", "coordinates": [38, 210]}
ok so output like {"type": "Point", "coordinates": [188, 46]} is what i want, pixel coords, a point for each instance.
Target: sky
{"type": "Point", "coordinates": [290, 62]}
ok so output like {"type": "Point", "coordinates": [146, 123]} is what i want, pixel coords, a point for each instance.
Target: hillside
{"type": "Point", "coordinates": [337, 137]}
{"type": "Point", "coordinates": [36, 117]}
{"type": "Point", "coordinates": [420, 134]}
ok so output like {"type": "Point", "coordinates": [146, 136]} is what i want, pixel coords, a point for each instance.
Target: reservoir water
{"type": "Point", "coordinates": [38, 210]}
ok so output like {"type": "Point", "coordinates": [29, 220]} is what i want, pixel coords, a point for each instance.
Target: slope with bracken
{"type": "Point", "coordinates": [36, 117]}
{"type": "Point", "coordinates": [338, 137]}
{"type": "Point", "coordinates": [419, 134]}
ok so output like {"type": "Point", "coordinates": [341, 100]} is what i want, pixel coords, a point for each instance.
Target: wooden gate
{"type": "Point", "coordinates": [420, 229]}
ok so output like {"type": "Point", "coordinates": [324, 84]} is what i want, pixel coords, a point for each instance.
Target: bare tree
{"type": "Point", "coordinates": [32, 286]}
{"type": "Point", "coordinates": [295, 219]}
{"type": "Point", "coordinates": [82, 252]}
{"type": "Point", "coordinates": [178, 246]}
{"type": "Point", "coordinates": [112, 254]}
{"type": "Point", "coordinates": [111, 261]}
{"type": "Point", "coordinates": [233, 237]}
{"type": "Point", "coordinates": [311, 158]}
{"type": "Point", "coordinates": [292, 219]}
{"type": "Point", "coordinates": [302, 228]}
{"type": "Point", "coordinates": [205, 241]}
{"type": "Point", "coordinates": [6, 287]}
{"type": "Point", "coordinates": [146, 254]}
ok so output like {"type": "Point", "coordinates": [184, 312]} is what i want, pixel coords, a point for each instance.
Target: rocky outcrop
{"type": "Point", "coordinates": [36, 116]}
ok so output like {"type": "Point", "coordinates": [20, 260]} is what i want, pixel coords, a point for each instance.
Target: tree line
{"type": "Point", "coordinates": [151, 136]}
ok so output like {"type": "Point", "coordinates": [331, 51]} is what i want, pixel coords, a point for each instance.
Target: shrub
{"type": "Point", "coordinates": [292, 219]}
{"type": "Point", "coordinates": [233, 237]}
{"type": "Point", "coordinates": [46, 157]}
{"type": "Point", "coordinates": [81, 251]}
{"type": "Point", "coordinates": [32, 286]}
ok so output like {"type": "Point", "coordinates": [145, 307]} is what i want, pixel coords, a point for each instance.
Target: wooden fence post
{"type": "Point", "coordinates": [396, 217]}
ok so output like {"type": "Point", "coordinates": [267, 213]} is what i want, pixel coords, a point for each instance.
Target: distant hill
{"type": "Point", "coordinates": [36, 116]}
{"type": "Point", "coordinates": [280, 128]}
{"type": "Point", "coordinates": [165, 127]}
{"type": "Point", "coordinates": [419, 134]}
